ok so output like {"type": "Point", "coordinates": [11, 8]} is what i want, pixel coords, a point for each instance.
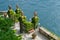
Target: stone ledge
{"type": "Point", "coordinates": [48, 34]}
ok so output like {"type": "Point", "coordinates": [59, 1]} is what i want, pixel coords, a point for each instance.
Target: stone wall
{"type": "Point", "coordinates": [2, 12]}
{"type": "Point", "coordinates": [45, 34]}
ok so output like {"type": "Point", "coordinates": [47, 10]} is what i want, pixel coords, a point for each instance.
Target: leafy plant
{"type": "Point", "coordinates": [6, 32]}
{"type": "Point", "coordinates": [33, 36]}
{"type": "Point", "coordinates": [6, 23]}
{"type": "Point", "coordinates": [16, 17]}
{"type": "Point", "coordinates": [9, 35]}
{"type": "Point", "coordinates": [28, 26]}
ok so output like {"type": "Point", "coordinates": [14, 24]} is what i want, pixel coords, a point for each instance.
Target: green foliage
{"type": "Point", "coordinates": [9, 35]}
{"type": "Point", "coordinates": [22, 19]}
{"type": "Point", "coordinates": [6, 32]}
{"type": "Point", "coordinates": [28, 26]}
{"type": "Point", "coordinates": [16, 17]}
{"type": "Point", "coordinates": [5, 23]}
{"type": "Point", "coordinates": [18, 11]}
{"type": "Point", "coordinates": [11, 14]}
{"type": "Point", "coordinates": [18, 14]}
{"type": "Point", "coordinates": [35, 19]}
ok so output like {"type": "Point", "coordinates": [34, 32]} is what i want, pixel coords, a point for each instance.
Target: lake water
{"type": "Point", "coordinates": [48, 11]}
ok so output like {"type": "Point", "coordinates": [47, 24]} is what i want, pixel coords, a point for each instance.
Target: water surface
{"type": "Point", "coordinates": [48, 11]}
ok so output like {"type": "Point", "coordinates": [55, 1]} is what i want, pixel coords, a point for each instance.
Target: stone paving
{"type": "Point", "coordinates": [28, 36]}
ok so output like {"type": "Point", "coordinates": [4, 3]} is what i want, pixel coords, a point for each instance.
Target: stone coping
{"type": "Point", "coordinates": [3, 11]}
{"type": "Point", "coordinates": [48, 33]}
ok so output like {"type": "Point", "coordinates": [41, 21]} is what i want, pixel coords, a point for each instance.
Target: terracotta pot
{"type": "Point", "coordinates": [33, 36]}
{"type": "Point", "coordinates": [32, 30]}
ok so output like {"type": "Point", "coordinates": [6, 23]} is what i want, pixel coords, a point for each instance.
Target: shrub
{"type": "Point", "coordinates": [6, 32]}
{"type": "Point", "coordinates": [28, 26]}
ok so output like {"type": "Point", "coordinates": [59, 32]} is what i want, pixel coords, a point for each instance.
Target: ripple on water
{"type": "Point", "coordinates": [48, 11]}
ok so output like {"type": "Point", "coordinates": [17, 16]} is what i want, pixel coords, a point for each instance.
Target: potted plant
{"type": "Point", "coordinates": [33, 36]}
